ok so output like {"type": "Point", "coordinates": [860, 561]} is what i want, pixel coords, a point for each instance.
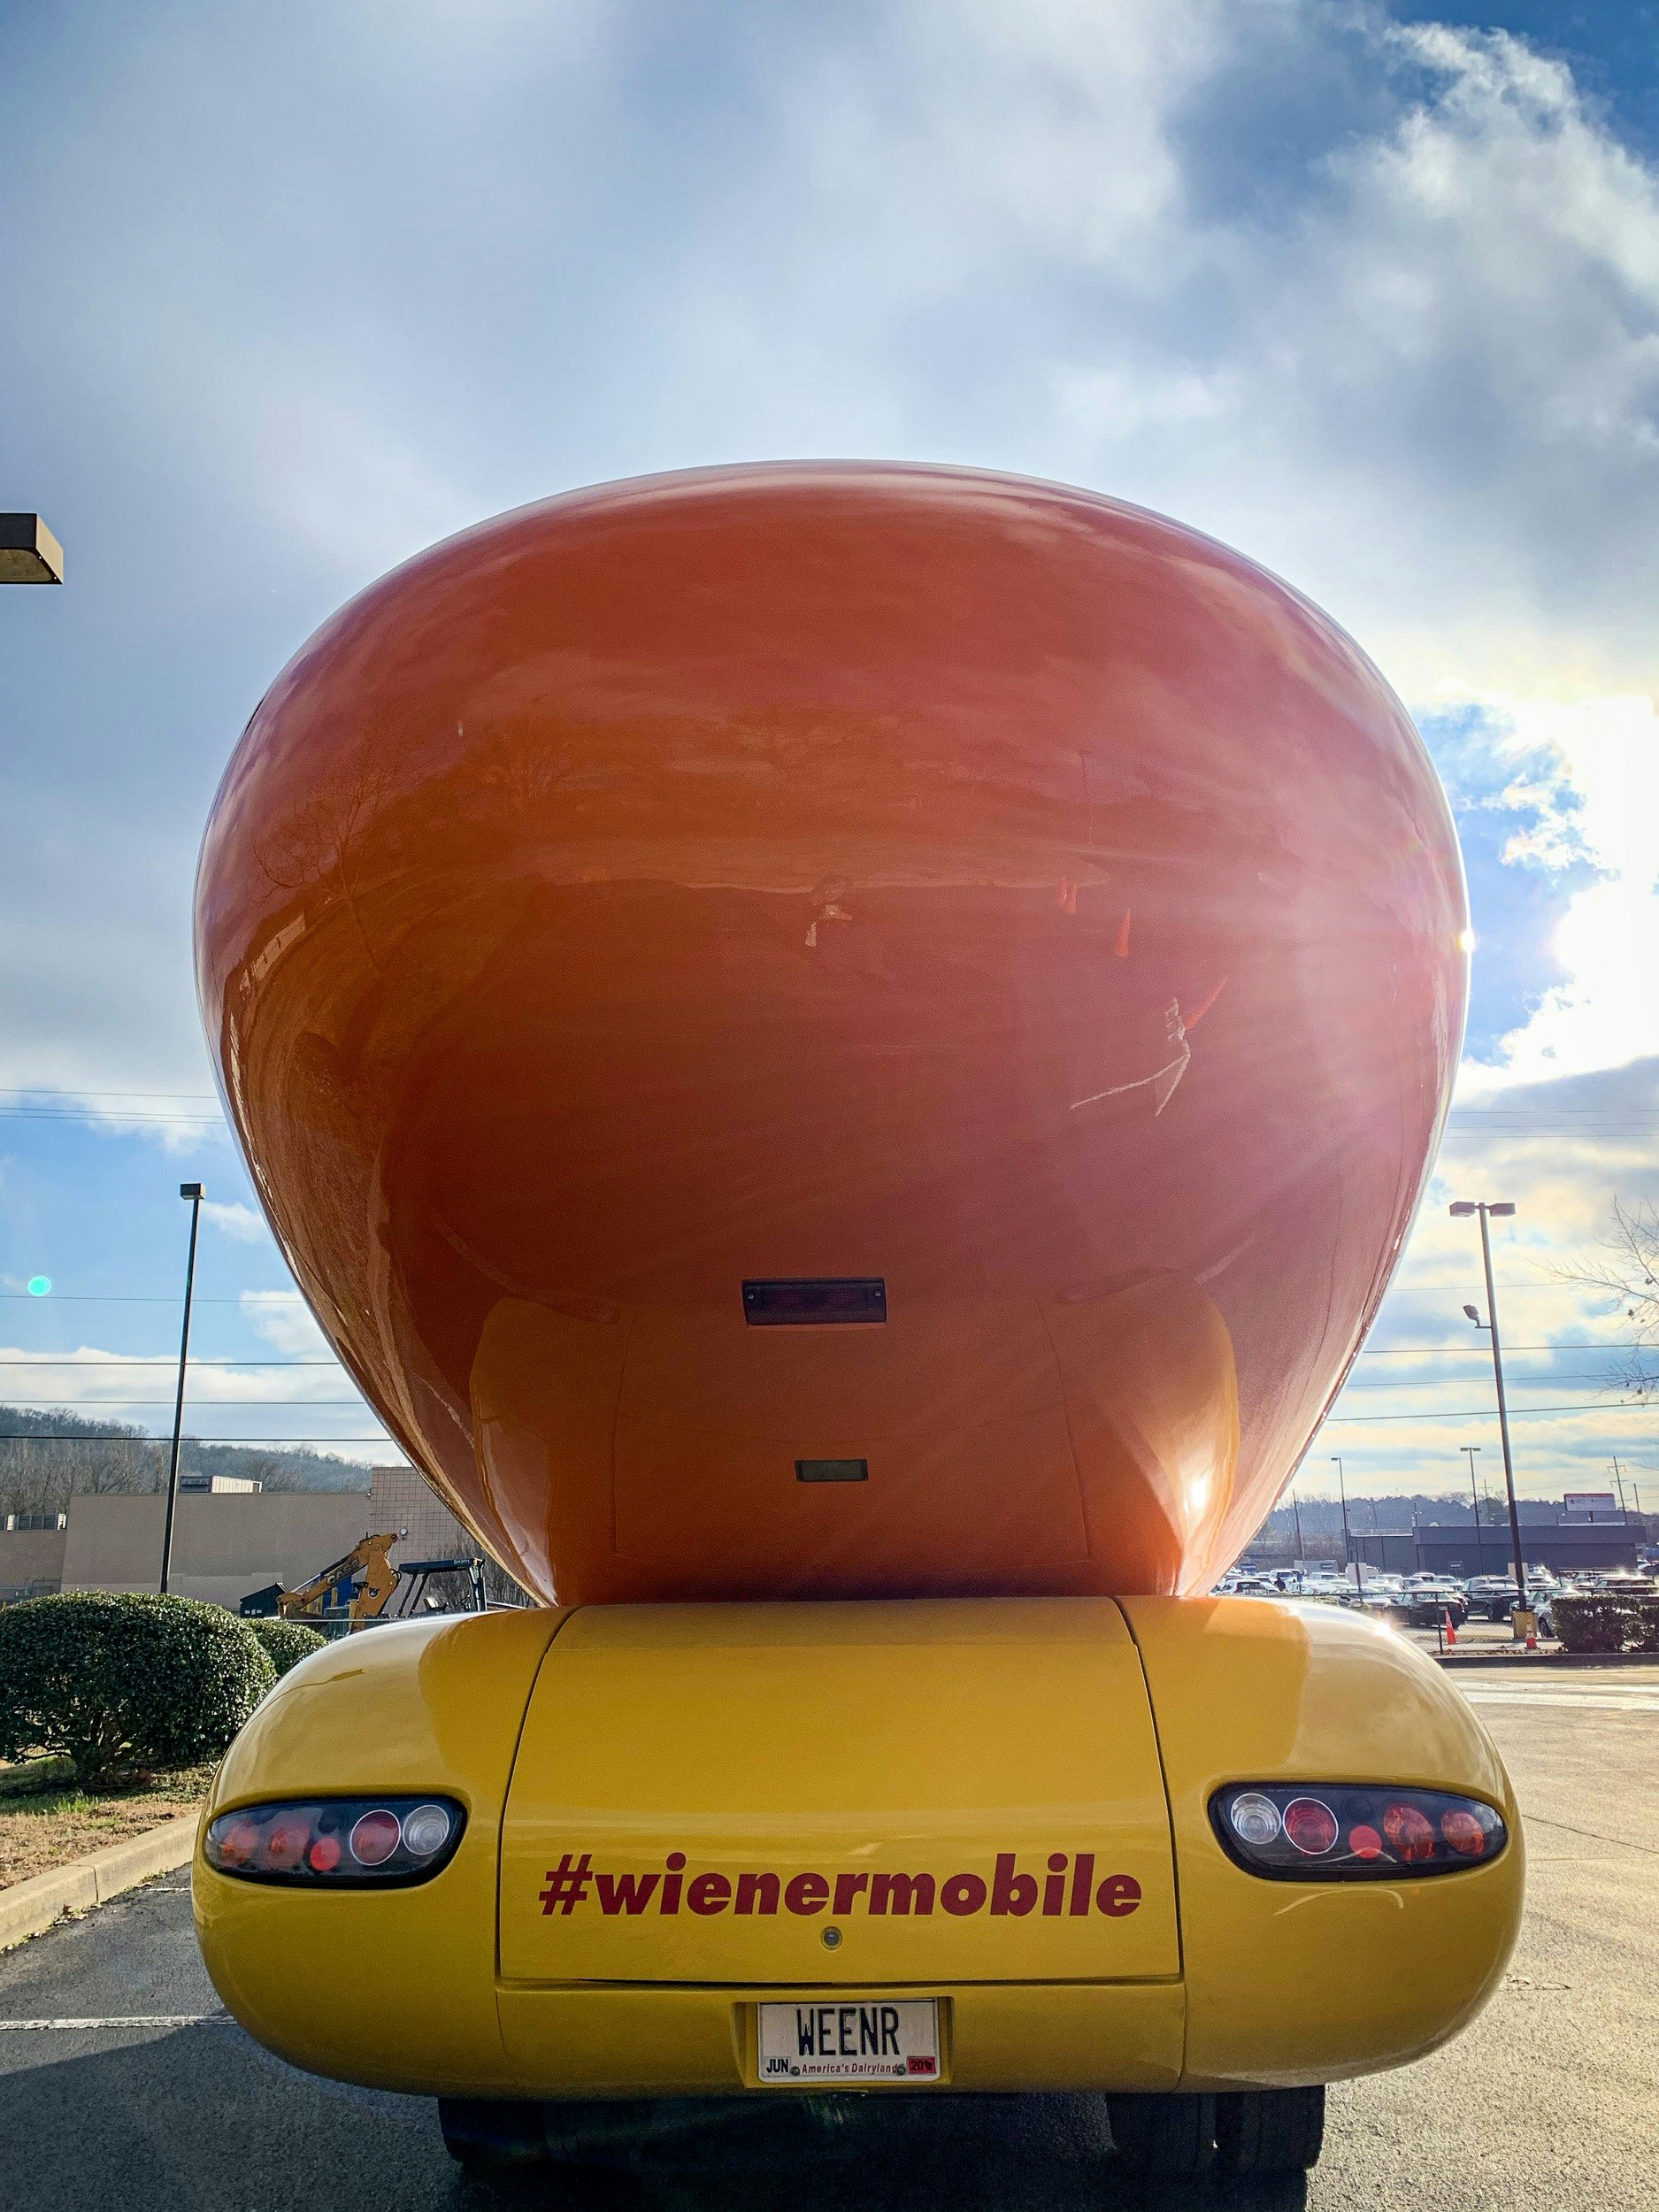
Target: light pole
{"type": "Point", "coordinates": [195, 1193]}
{"type": "Point", "coordinates": [1468, 1451]}
{"type": "Point", "coordinates": [1296, 1516]}
{"type": "Point", "coordinates": [1485, 1208]}
{"type": "Point", "coordinates": [29, 553]}
{"type": "Point", "coordinates": [1348, 1548]}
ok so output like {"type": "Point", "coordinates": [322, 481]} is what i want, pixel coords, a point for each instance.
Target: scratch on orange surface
{"type": "Point", "coordinates": [1204, 1004]}
{"type": "Point", "coordinates": [1121, 948]}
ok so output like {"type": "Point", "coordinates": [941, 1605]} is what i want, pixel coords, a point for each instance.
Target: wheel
{"type": "Point", "coordinates": [1270, 2131]}
{"type": "Point", "coordinates": [490, 2137]}
{"type": "Point", "coordinates": [1163, 2134]}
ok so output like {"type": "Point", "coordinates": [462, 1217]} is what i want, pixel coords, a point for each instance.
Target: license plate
{"type": "Point", "coordinates": [858, 2039]}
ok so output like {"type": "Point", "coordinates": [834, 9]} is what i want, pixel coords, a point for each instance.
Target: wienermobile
{"type": "Point", "coordinates": [845, 1053]}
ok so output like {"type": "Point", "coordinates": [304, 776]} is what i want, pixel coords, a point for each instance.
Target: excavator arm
{"type": "Point", "coordinates": [367, 1563]}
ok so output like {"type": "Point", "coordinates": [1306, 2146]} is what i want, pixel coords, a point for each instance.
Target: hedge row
{"type": "Point", "coordinates": [123, 1683]}
{"type": "Point", "coordinates": [1607, 1620]}
{"type": "Point", "coordinates": [284, 1643]}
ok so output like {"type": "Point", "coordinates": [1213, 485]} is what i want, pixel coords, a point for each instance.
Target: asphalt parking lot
{"type": "Point", "coordinates": [1551, 2102]}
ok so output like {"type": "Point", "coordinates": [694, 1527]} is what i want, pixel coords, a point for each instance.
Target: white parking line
{"type": "Point", "coordinates": [1578, 1701]}
{"type": "Point", "coordinates": [127, 2020]}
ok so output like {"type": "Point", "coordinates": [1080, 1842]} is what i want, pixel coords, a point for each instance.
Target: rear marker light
{"type": "Point", "coordinates": [1353, 1831]}
{"type": "Point", "coordinates": [337, 1843]}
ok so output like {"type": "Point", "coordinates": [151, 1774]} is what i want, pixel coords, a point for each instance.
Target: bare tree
{"type": "Point", "coordinates": [1627, 1272]}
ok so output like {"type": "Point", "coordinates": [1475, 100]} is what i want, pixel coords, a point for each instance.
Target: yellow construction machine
{"type": "Point", "coordinates": [356, 1588]}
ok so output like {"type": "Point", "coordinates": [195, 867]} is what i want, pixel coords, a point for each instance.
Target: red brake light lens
{"type": "Point", "coordinates": [1310, 1826]}
{"type": "Point", "coordinates": [1410, 1832]}
{"type": "Point", "coordinates": [1465, 1835]}
{"type": "Point", "coordinates": [337, 1843]}
{"type": "Point", "coordinates": [1345, 1832]}
{"type": "Point", "coordinates": [375, 1836]}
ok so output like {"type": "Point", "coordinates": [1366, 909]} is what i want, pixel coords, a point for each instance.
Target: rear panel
{"type": "Point", "coordinates": [851, 1795]}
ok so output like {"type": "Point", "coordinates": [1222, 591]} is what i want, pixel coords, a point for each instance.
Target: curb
{"type": "Point", "coordinates": [28, 1908]}
{"type": "Point", "coordinates": [1518, 1657]}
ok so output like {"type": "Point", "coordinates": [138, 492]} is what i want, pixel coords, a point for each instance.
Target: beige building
{"type": "Point", "coordinates": [31, 1561]}
{"type": "Point", "coordinates": [224, 1545]}
{"type": "Point", "coordinates": [227, 1543]}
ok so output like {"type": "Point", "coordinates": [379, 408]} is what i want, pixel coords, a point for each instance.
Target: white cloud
{"type": "Point", "coordinates": [284, 1319]}
{"type": "Point", "coordinates": [106, 1385]}
{"type": "Point", "coordinates": [1599, 801]}
{"type": "Point", "coordinates": [235, 1220]}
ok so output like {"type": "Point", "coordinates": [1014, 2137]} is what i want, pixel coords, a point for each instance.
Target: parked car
{"type": "Point", "coordinates": [1427, 1601]}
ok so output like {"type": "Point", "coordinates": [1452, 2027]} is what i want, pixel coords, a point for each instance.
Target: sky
{"type": "Point", "coordinates": [1373, 294]}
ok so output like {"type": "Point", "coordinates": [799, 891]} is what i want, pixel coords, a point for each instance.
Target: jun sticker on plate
{"type": "Point", "coordinates": [858, 2039]}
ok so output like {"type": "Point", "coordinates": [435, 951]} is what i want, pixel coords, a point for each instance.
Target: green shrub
{"type": "Point", "coordinates": [284, 1643]}
{"type": "Point", "coordinates": [123, 1683]}
{"type": "Point", "coordinates": [1607, 1621]}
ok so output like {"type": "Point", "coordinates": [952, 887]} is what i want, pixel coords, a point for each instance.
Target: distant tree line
{"type": "Point", "coordinates": [48, 1458]}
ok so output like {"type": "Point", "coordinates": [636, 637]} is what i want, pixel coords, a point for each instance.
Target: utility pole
{"type": "Point", "coordinates": [1618, 1478]}
{"type": "Point", "coordinates": [1485, 1208]}
{"type": "Point", "coordinates": [1348, 1548]}
{"type": "Point", "coordinates": [1468, 1451]}
{"type": "Point", "coordinates": [195, 1193]}
{"type": "Point", "coordinates": [1296, 1516]}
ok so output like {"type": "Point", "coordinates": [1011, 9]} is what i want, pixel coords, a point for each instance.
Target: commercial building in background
{"type": "Point", "coordinates": [230, 1537]}
{"type": "Point", "coordinates": [1457, 1547]}
{"type": "Point", "coordinates": [32, 1554]}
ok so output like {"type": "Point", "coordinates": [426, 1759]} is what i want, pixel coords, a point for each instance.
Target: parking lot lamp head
{"type": "Point", "coordinates": [29, 553]}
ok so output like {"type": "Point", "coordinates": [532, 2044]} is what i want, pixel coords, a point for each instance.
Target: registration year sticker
{"type": "Point", "coordinates": [856, 2039]}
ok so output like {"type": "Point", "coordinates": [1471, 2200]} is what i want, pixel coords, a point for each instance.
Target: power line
{"type": "Point", "coordinates": [99, 1436]}
{"type": "Point", "coordinates": [130, 1298]}
{"type": "Point", "coordinates": [1456, 1351]}
{"type": "Point", "coordinates": [53, 1090]}
{"type": "Point", "coordinates": [1486, 1413]}
{"type": "Point", "coordinates": [115, 1113]}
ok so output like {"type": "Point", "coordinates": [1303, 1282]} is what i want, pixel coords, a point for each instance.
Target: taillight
{"type": "Point", "coordinates": [337, 1843]}
{"type": "Point", "coordinates": [1303, 1832]}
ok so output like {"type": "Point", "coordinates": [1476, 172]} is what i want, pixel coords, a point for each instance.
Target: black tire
{"type": "Point", "coordinates": [1173, 2135]}
{"type": "Point", "coordinates": [1270, 2131]}
{"type": "Point", "coordinates": [491, 2138]}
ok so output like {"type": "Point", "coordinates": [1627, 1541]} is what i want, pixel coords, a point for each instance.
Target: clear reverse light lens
{"type": "Point", "coordinates": [425, 1830]}
{"type": "Point", "coordinates": [1255, 1818]}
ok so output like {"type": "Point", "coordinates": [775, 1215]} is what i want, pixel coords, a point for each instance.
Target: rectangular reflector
{"type": "Point", "coordinates": [806, 1300]}
{"type": "Point", "coordinates": [831, 1471]}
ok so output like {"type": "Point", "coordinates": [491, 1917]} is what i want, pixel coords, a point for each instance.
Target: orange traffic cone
{"type": "Point", "coordinates": [1451, 1633]}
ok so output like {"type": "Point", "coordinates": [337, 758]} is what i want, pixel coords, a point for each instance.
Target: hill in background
{"type": "Point", "coordinates": [48, 1458]}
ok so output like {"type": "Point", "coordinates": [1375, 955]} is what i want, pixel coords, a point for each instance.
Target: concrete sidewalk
{"type": "Point", "coordinates": [28, 1908]}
